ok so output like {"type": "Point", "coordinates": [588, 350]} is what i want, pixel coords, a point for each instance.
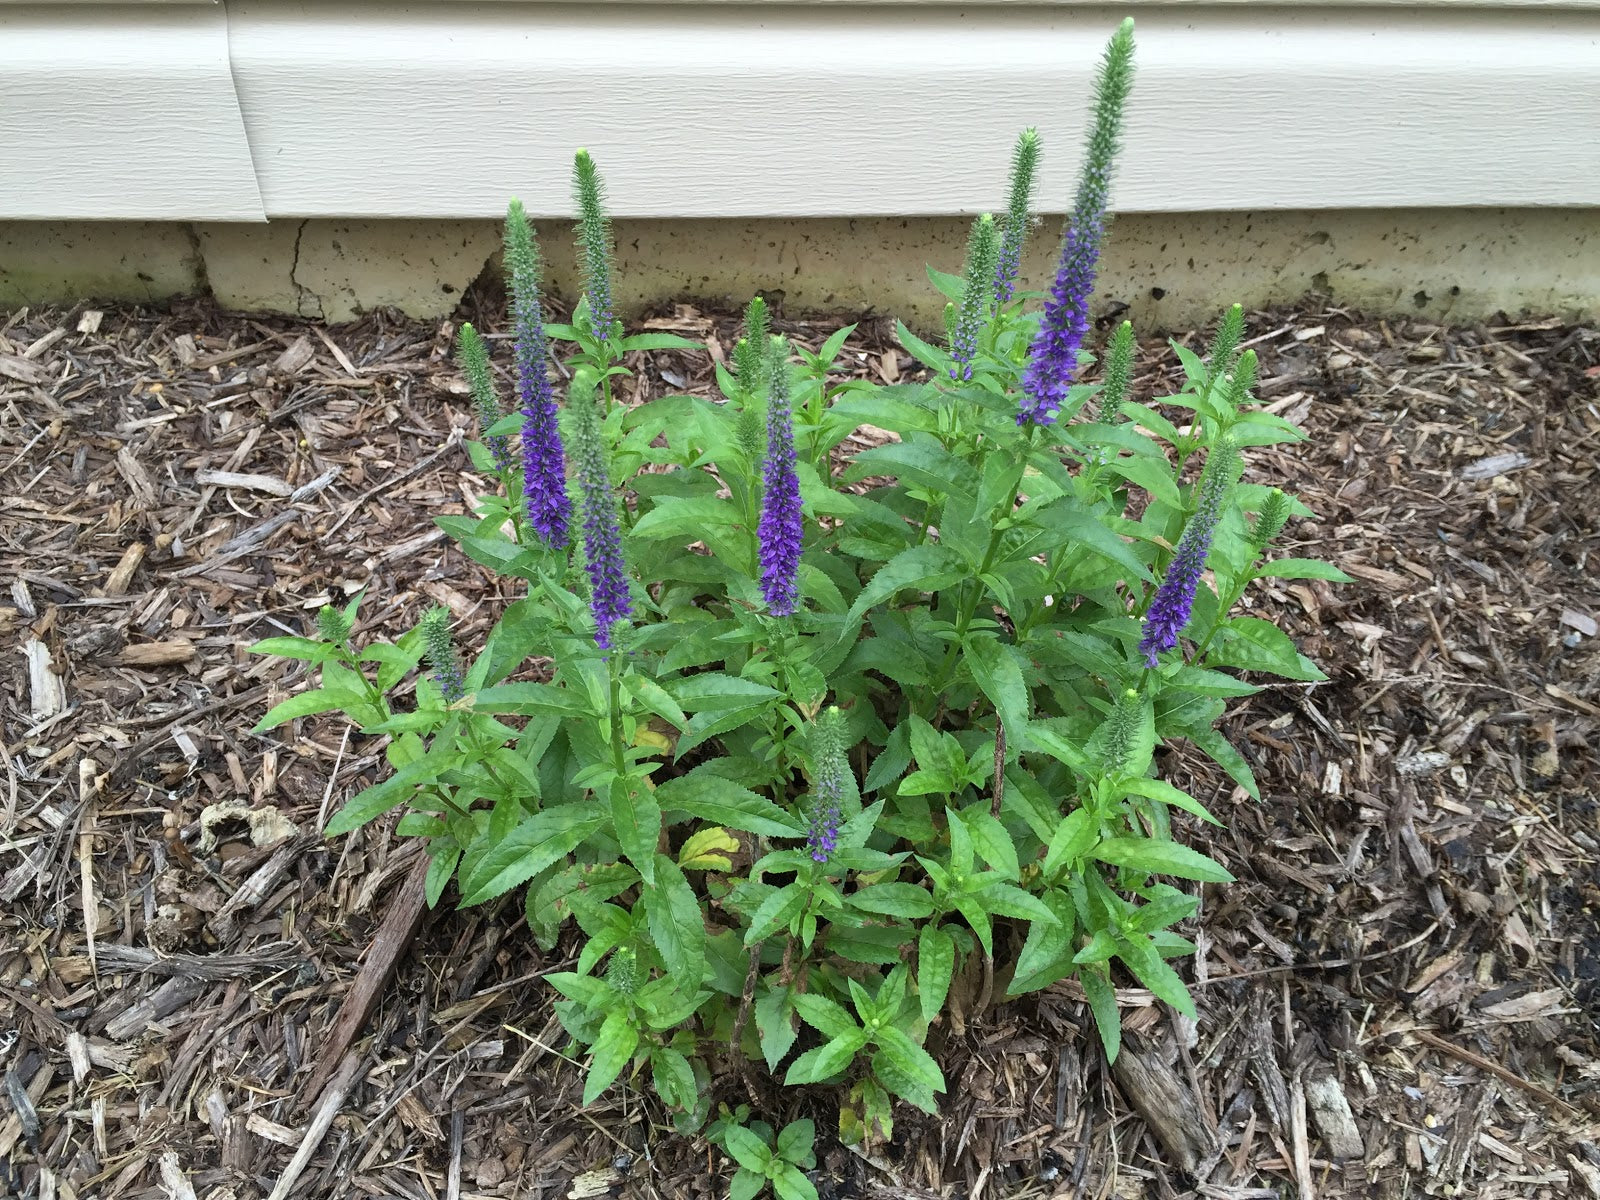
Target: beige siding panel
{"type": "Point", "coordinates": [714, 111]}
{"type": "Point", "coordinates": [121, 112]}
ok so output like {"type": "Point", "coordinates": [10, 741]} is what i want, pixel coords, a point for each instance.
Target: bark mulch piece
{"type": "Point", "coordinates": [1399, 996]}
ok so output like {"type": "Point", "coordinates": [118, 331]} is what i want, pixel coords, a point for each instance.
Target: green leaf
{"type": "Point", "coordinates": [775, 1023]}
{"type": "Point", "coordinates": [746, 1184]}
{"type": "Point", "coordinates": [997, 672]}
{"type": "Point", "coordinates": [295, 647]}
{"type": "Point", "coordinates": [791, 1184]}
{"type": "Point", "coordinates": [1301, 568]}
{"type": "Point", "coordinates": [1230, 760]}
{"type": "Point", "coordinates": [827, 1017]}
{"type": "Point", "coordinates": [612, 1050]}
{"type": "Point", "coordinates": [1256, 645]}
{"type": "Point", "coordinates": [390, 793]}
{"type": "Point", "coordinates": [923, 463]}
{"type": "Point", "coordinates": [893, 899]}
{"type": "Point", "coordinates": [746, 1149]}
{"type": "Point", "coordinates": [1001, 899]}
{"type": "Point", "coordinates": [775, 913]}
{"type": "Point", "coordinates": [1162, 791]}
{"type": "Point", "coordinates": [1136, 950]}
{"type": "Point", "coordinates": [1103, 1004]}
{"type": "Point", "coordinates": [826, 1060]}
{"type": "Point", "coordinates": [928, 356]}
{"type": "Point", "coordinates": [795, 1142]}
{"type": "Point", "coordinates": [1047, 741]}
{"type": "Point", "coordinates": [714, 690]}
{"type": "Point", "coordinates": [910, 1057]}
{"type": "Point", "coordinates": [1153, 475]}
{"type": "Point", "coordinates": [528, 849]}
{"type": "Point", "coordinates": [926, 568]}
{"type": "Point", "coordinates": [658, 341]}
{"type": "Point", "coordinates": [679, 518]}
{"type": "Point", "coordinates": [992, 842]}
{"type": "Point", "coordinates": [528, 699]}
{"type": "Point", "coordinates": [310, 703]}
{"type": "Point", "coordinates": [677, 925]}
{"type": "Point", "coordinates": [1161, 858]}
{"type": "Point", "coordinates": [636, 822]}
{"type": "Point", "coordinates": [673, 1077]}
{"type": "Point", "coordinates": [723, 802]}
{"type": "Point", "coordinates": [1074, 837]}
{"type": "Point", "coordinates": [936, 963]}
{"type": "Point", "coordinates": [655, 698]}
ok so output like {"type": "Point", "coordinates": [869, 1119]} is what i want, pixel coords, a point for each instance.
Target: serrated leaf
{"type": "Point", "coordinates": [636, 823]}
{"type": "Point", "coordinates": [528, 849]}
{"type": "Point", "coordinates": [389, 793]}
{"type": "Point", "coordinates": [998, 674]}
{"type": "Point", "coordinates": [910, 1057]}
{"type": "Point", "coordinates": [1103, 1004]}
{"type": "Point", "coordinates": [1301, 568]}
{"type": "Point", "coordinates": [676, 924]}
{"type": "Point", "coordinates": [723, 802]}
{"type": "Point", "coordinates": [775, 913]}
{"type": "Point", "coordinates": [893, 899]}
{"type": "Point", "coordinates": [826, 1060]}
{"type": "Point", "coordinates": [1156, 857]}
{"type": "Point", "coordinates": [825, 1016]}
{"type": "Point", "coordinates": [310, 703]}
{"type": "Point", "coordinates": [936, 962]}
{"type": "Point", "coordinates": [1162, 791]}
{"type": "Point", "coordinates": [612, 1051]}
{"type": "Point", "coordinates": [1150, 969]}
{"type": "Point", "coordinates": [528, 699]}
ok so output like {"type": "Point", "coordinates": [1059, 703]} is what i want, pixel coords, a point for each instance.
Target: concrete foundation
{"type": "Point", "coordinates": [1170, 270]}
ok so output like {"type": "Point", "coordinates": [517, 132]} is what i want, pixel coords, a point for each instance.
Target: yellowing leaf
{"type": "Point", "coordinates": [708, 850]}
{"type": "Point", "coordinates": [645, 736]}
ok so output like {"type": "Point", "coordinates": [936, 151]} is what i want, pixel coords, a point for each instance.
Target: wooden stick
{"type": "Point", "coordinates": [400, 925]}
{"type": "Point", "coordinates": [1494, 1068]}
{"type": "Point", "coordinates": [332, 1100]}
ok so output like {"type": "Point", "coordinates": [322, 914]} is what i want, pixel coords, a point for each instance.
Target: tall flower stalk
{"type": "Point", "coordinates": [1019, 206]}
{"type": "Point", "coordinates": [544, 464]}
{"type": "Point", "coordinates": [1173, 604]}
{"type": "Point", "coordinates": [441, 652]}
{"type": "Point", "coordinates": [1053, 357]}
{"type": "Point", "coordinates": [829, 764]}
{"type": "Point", "coordinates": [780, 531]}
{"type": "Point", "coordinates": [609, 601]}
{"type": "Point", "coordinates": [983, 248]}
{"type": "Point", "coordinates": [474, 357]}
{"type": "Point", "coordinates": [594, 243]}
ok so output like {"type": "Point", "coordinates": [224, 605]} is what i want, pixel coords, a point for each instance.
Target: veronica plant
{"type": "Point", "coordinates": [794, 742]}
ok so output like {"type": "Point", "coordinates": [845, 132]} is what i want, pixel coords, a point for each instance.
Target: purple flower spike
{"type": "Point", "coordinates": [1053, 357]}
{"type": "Point", "coordinates": [544, 465]}
{"type": "Point", "coordinates": [1173, 605]}
{"type": "Point", "coordinates": [609, 601]}
{"type": "Point", "coordinates": [781, 530]}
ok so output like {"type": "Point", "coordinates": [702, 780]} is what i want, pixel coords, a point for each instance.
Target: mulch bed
{"type": "Point", "coordinates": [1398, 997]}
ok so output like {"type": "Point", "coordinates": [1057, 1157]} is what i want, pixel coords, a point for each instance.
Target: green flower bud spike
{"type": "Point", "coordinates": [334, 626]}
{"type": "Point", "coordinates": [1024, 164]}
{"type": "Point", "coordinates": [1225, 345]}
{"type": "Point", "coordinates": [474, 357]}
{"type": "Point", "coordinates": [594, 243]}
{"type": "Point", "coordinates": [1269, 522]}
{"type": "Point", "coordinates": [983, 249]}
{"type": "Point", "coordinates": [1119, 374]}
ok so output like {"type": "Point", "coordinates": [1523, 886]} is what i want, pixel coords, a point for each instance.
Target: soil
{"type": "Point", "coordinates": [1399, 996]}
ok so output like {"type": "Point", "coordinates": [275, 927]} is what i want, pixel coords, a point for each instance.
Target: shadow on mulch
{"type": "Point", "coordinates": [1398, 996]}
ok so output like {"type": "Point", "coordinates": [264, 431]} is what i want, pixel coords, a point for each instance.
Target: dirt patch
{"type": "Point", "coordinates": [1399, 995]}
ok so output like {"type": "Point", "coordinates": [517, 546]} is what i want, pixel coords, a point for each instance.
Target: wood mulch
{"type": "Point", "coordinates": [1398, 997]}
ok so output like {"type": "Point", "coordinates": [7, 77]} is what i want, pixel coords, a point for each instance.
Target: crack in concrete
{"type": "Point", "coordinates": [300, 289]}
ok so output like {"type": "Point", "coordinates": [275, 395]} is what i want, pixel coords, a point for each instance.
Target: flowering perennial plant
{"type": "Point", "coordinates": [797, 734]}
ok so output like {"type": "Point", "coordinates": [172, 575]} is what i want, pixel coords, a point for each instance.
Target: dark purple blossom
{"type": "Point", "coordinates": [544, 465]}
{"type": "Point", "coordinates": [780, 531]}
{"type": "Point", "coordinates": [609, 601]}
{"type": "Point", "coordinates": [1173, 604]}
{"type": "Point", "coordinates": [1053, 358]}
